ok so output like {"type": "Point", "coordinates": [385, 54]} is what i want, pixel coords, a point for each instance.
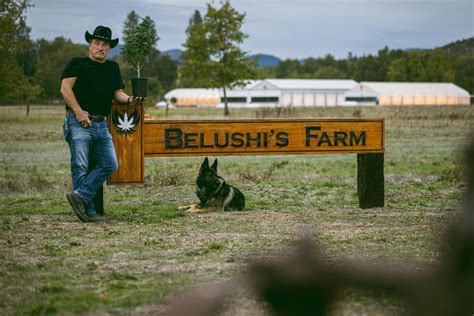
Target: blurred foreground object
{"type": "Point", "coordinates": [306, 284]}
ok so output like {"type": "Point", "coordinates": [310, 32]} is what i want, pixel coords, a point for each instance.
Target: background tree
{"type": "Point", "coordinates": [17, 63]}
{"type": "Point", "coordinates": [131, 22]}
{"type": "Point", "coordinates": [288, 68]}
{"type": "Point", "coordinates": [196, 18]}
{"type": "Point", "coordinates": [367, 68]}
{"type": "Point", "coordinates": [213, 57]}
{"type": "Point", "coordinates": [464, 72]}
{"type": "Point", "coordinates": [310, 66]}
{"type": "Point", "coordinates": [52, 57]}
{"type": "Point", "coordinates": [329, 72]}
{"type": "Point", "coordinates": [195, 71]}
{"type": "Point", "coordinates": [167, 70]}
{"type": "Point", "coordinates": [422, 66]}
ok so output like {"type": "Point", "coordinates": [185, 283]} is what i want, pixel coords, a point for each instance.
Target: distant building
{"type": "Point", "coordinates": [407, 93]}
{"type": "Point", "coordinates": [267, 93]}
{"type": "Point", "coordinates": [290, 92]}
{"type": "Point", "coordinates": [187, 97]}
{"type": "Point", "coordinates": [321, 93]}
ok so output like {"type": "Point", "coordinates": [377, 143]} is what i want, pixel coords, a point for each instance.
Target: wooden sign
{"type": "Point", "coordinates": [135, 139]}
{"type": "Point", "coordinates": [263, 137]}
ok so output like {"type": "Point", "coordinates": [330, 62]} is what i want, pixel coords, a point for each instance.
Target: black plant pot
{"type": "Point", "coordinates": [139, 87]}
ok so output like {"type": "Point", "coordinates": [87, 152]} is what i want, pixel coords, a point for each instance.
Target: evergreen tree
{"type": "Point", "coordinates": [132, 21]}
{"type": "Point", "coordinates": [195, 70]}
{"type": "Point", "coordinates": [196, 18]}
{"type": "Point", "coordinates": [213, 57]}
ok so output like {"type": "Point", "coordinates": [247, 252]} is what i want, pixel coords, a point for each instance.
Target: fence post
{"type": "Point", "coordinates": [370, 180]}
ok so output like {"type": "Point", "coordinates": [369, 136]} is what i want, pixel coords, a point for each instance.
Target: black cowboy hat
{"type": "Point", "coordinates": [103, 33]}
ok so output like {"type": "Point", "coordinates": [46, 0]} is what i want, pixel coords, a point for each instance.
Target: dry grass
{"type": "Point", "coordinates": [53, 264]}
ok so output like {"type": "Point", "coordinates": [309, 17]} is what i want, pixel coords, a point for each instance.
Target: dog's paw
{"type": "Point", "coordinates": [184, 208]}
{"type": "Point", "coordinates": [196, 208]}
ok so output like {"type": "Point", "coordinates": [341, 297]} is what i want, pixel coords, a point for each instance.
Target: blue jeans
{"type": "Point", "coordinates": [89, 146]}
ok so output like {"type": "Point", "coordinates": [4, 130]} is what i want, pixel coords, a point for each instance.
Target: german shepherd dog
{"type": "Point", "coordinates": [214, 193]}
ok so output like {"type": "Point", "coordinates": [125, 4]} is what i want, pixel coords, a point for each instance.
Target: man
{"type": "Point", "coordinates": [88, 86]}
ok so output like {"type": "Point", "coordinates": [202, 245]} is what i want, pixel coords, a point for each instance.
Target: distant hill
{"type": "Point", "coordinates": [115, 51]}
{"type": "Point", "coordinates": [175, 54]}
{"type": "Point", "coordinates": [264, 60]}
{"type": "Point", "coordinates": [465, 46]}
{"type": "Point", "coordinates": [415, 49]}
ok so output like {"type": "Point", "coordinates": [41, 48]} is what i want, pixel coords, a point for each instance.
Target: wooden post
{"type": "Point", "coordinates": [370, 180]}
{"type": "Point", "coordinates": [126, 127]}
{"type": "Point", "coordinates": [98, 199]}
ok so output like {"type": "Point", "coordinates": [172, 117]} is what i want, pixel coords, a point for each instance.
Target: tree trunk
{"type": "Point", "coordinates": [226, 107]}
{"type": "Point", "coordinates": [27, 108]}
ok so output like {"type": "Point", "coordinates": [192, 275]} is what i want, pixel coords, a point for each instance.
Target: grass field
{"type": "Point", "coordinates": [53, 264]}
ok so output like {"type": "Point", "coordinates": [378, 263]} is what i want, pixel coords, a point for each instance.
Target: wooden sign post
{"type": "Point", "coordinates": [153, 138]}
{"type": "Point", "coordinates": [126, 127]}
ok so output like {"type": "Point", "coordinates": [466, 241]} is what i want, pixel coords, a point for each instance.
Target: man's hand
{"type": "Point", "coordinates": [83, 118]}
{"type": "Point", "coordinates": [135, 100]}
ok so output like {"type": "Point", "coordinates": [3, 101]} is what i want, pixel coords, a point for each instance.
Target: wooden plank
{"type": "Point", "coordinates": [129, 147]}
{"type": "Point", "coordinates": [263, 137]}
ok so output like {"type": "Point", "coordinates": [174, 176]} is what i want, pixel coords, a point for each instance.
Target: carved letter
{"type": "Point", "coordinates": [173, 138]}
{"type": "Point", "coordinates": [309, 129]}
{"type": "Point", "coordinates": [189, 141]}
{"type": "Point", "coordinates": [237, 140]}
{"type": "Point", "coordinates": [282, 139]}
{"type": "Point", "coordinates": [357, 140]}
{"type": "Point", "coordinates": [340, 136]}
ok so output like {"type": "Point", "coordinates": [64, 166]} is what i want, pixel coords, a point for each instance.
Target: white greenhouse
{"type": "Point", "coordinates": [321, 93]}
{"type": "Point", "coordinates": [289, 92]}
{"type": "Point", "coordinates": [407, 93]}
{"type": "Point", "coordinates": [267, 93]}
{"type": "Point", "coordinates": [186, 97]}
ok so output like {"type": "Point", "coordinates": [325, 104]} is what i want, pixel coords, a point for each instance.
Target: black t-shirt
{"type": "Point", "coordinates": [95, 84]}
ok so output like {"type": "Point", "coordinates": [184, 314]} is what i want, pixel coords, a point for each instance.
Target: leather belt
{"type": "Point", "coordinates": [97, 118]}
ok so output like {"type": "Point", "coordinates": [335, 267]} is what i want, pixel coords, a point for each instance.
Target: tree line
{"type": "Point", "coordinates": [31, 70]}
{"type": "Point", "coordinates": [433, 65]}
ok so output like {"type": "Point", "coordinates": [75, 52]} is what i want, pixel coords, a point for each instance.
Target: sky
{"type": "Point", "coordinates": [283, 28]}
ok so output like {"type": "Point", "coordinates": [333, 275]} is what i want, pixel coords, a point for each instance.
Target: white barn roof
{"type": "Point", "coordinates": [416, 88]}
{"type": "Point", "coordinates": [311, 84]}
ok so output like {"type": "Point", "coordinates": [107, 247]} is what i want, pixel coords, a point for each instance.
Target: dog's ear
{"type": "Point", "coordinates": [214, 165]}
{"type": "Point", "coordinates": [205, 164]}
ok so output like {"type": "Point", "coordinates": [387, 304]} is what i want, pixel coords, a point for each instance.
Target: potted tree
{"type": "Point", "coordinates": [138, 42]}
